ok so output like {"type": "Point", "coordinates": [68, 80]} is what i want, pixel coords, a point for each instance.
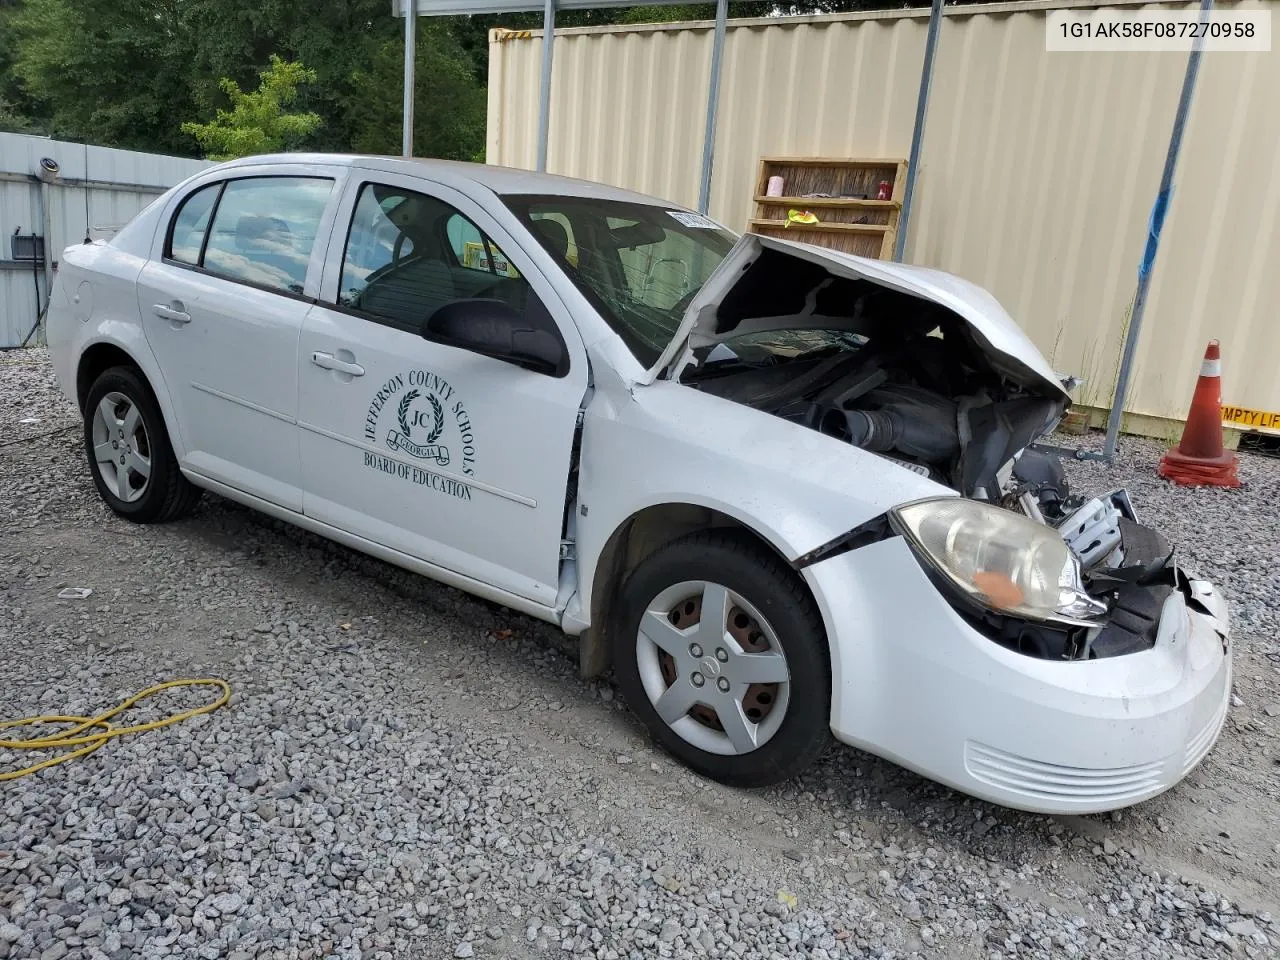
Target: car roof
{"type": "Point", "coordinates": [501, 180]}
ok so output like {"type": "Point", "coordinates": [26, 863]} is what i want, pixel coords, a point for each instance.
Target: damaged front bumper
{"type": "Point", "coordinates": [915, 682]}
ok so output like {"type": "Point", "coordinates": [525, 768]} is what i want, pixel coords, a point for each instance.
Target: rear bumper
{"type": "Point", "coordinates": [916, 684]}
{"type": "Point", "coordinates": [60, 334]}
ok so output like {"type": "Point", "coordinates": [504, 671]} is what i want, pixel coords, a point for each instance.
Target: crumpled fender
{"type": "Point", "coordinates": [794, 487]}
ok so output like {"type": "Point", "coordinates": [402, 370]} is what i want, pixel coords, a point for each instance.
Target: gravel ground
{"type": "Point", "coordinates": [407, 772]}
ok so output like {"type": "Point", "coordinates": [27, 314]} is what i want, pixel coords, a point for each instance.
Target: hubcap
{"type": "Point", "coordinates": [713, 668]}
{"type": "Point", "coordinates": [121, 447]}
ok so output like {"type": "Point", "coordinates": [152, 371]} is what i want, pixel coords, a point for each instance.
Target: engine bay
{"type": "Point", "coordinates": [907, 379]}
{"type": "Point", "coordinates": [886, 372]}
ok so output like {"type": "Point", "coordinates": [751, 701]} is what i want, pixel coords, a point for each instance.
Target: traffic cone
{"type": "Point", "coordinates": [1198, 459]}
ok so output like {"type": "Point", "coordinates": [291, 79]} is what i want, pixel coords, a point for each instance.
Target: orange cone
{"type": "Point", "coordinates": [1198, 459]}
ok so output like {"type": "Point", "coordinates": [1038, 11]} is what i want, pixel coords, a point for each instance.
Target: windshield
{"type": "Point", "coordinates": [638, 264]}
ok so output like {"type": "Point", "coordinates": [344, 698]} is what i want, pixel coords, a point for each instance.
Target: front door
{"type": "Point", "coordinates": [448, 456]}
{"type": "Point", "coordinates": [222, 308]}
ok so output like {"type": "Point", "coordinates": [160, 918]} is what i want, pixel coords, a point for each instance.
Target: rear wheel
{"type": "Point", "coordinates": [719, 650]}
{"type": "Point", "coordinates": [132, 463]}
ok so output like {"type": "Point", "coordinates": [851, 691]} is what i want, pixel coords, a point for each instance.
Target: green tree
{"type": "Point", "coordinates": [13, 120]}
{"type": "Point", "coordinates": [334, 39]}
{"type": "Point", "coordinates": [449, 105]}
{"type": "Point", "coordinates": [107, 71]}
{"type": "Point", "coordinates": [18, 114]}
{"type": "Point", "coordinates": [258, 121]}
{"type": "Point", "coordinates": [127, 72]}
{"type": "Point", "coordinates": [355, 48]}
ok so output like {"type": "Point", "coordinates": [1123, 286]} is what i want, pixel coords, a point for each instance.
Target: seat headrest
{"type": "Point", "coordinates": [555, 235]}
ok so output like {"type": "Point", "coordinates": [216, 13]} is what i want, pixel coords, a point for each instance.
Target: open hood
{"type": "Point", "coordinates": [1006, 347]}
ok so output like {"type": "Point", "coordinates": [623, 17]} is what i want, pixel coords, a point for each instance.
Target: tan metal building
{"type": "Point", "coordinates": [1037, 171]}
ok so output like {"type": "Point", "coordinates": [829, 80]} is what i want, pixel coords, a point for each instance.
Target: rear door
{"type": "Point", "coordinates": [223, 304]}
{"type": "Point", "coordinates": [451, 457]}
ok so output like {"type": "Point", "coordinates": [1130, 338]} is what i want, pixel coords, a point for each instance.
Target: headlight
{"type": "Point", "coordinates": [999, 559]}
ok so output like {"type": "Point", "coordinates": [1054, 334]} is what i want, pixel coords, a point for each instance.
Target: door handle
{"type": "Point", "coordinates": [176, 314]}
{"type": "Point", "coordinates": [330, 362]}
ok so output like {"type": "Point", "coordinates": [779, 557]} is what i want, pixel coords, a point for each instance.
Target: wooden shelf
{"type": "Point", "coordinates": [828, 227]}
{"type": "Point", "coordinates": [832, 161]}
{"type": "Point", "coordinates": [829, 202]}
{"type": "Point", "coordinates": [836, 176]}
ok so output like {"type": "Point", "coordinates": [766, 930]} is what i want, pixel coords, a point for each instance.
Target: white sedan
{"type": "Point", "coordinates": [783, 492]}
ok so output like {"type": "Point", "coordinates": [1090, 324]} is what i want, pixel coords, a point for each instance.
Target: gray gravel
{"type": "Point", "coordinates": [407, 772]}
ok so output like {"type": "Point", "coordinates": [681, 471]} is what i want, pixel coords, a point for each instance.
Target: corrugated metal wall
{"type": "Point", "coordinates": [120, 183]}
{"type": "Point", "coordinates": [1036, 177]}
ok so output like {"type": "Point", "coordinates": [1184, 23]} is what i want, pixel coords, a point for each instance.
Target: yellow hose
{"type": "Point", "coordinates": [87, 743]}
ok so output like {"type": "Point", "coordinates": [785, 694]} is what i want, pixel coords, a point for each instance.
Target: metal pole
{"type": "Point", "coordinates": [1158, 211]}
{"type": "Point", "coordinates": [917, 132]}
{"type": "Point", "coordinates": [35, 280]}
{"type": "Point", "coordinates": [410, 8]}
{"type": "Point", "coordinates": [46, 211]}
{"type": "Point", "coordinates": [544, 93]}
{"type": "Point", "coordinates": [713, 105]}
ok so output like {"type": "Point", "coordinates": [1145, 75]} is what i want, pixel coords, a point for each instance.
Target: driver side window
{"type": "Point", "coordinates": [408, 254]}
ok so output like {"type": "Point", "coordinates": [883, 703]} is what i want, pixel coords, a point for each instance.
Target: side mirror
{"type": "Point", "coordinates": [496, 329]}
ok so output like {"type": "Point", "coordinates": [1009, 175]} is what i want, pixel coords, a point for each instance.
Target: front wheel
{"type": "Point", "coordinates": [132, 463]}
{"type": "Point", "coordinates": [719, 650]}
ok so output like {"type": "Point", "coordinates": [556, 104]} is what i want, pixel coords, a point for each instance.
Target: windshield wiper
{"type": "Point", "coordinates": [724, 365]}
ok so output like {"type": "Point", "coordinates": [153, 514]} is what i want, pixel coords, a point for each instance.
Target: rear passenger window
{"type": "Point", "coordinates": [189, 226]}
{"type": "Point", "coordinates": [264, 228]}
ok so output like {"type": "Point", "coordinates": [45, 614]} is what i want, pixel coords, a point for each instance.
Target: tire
{"type": "Point", "coordinates": [778, 729]}
{"type": "Point", "coordinates": [122, 421]}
